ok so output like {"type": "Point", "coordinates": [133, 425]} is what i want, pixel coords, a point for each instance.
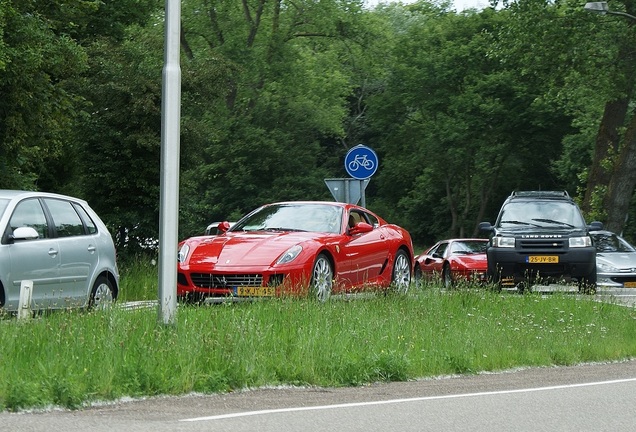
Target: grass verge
{"type": "Point", "coordinates": [72, 358]}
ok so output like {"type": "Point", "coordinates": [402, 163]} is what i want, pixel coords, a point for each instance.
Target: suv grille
{"type": "Point", "coordinates": [533, 244]}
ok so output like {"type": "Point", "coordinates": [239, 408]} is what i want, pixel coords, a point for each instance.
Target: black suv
{"type": "Point", "coordinates": [541, 237]}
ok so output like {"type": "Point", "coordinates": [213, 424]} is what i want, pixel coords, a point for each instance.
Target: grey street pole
{"type": "Point", "coordinates": [169, 183]}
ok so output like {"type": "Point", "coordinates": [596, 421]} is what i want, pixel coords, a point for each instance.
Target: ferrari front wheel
{"type": "Point", "coordinates": [321, 278]}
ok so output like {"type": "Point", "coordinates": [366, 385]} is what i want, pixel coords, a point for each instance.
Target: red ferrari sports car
{"type": "Point", "coordinates": [296, 248]}
{"type": "Point", "coordinates": [454, 260]}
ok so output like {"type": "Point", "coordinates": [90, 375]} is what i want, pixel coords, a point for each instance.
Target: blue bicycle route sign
{"type": "Point", "coordinates": [361, 162]}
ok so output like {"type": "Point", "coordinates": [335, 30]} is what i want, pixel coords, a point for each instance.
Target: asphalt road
{"type": "Point", "coordinates": [591, 397]}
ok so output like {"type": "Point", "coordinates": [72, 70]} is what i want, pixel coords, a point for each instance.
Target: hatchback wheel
{"type": "Point", "coordinates": [102, 294]}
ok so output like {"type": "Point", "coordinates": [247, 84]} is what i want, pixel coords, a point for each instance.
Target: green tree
{"type": "Point", "coordinates": [37, 110]}
{"type": "Point", "coordinates": [282, 92]}
{"type": "Point", "coordinates": [457, 127]}
{"type": "Point", "coordinates": [587, 64]}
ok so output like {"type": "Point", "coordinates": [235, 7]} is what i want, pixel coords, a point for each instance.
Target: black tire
{"type": "Point", "coordinates": [401, 275]}
{"type": "Point", "coordinates": [523, 286]}
{"type": "Point", "coordinates": [418, 277]}
{"type": "Point", "coordinates": [447, 277]}
{"type": "Point", "coordinates": [102, 294]}
{"type": "Point", "coordinates": [321, 278]}
{"type": "Point", "coordinates": [192, 298]}
{"type": "Point", "coordinates": [494, 281]}
{"type": "Point", "coordinates": [587, 284]}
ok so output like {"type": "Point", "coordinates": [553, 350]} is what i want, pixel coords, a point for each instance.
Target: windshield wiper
{"type": "Point", "coordinates": [552, 221]}
{"type": "Point", "coordinates": [281, 229]}
{"type": "Point", "coordinates": [515, 222]}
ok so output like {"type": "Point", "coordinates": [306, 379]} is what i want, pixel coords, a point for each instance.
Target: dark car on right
{"type": "Point", "coordinates": [541, 237]}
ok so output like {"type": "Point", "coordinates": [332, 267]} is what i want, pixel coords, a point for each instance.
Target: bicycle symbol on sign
{"type": "Point", "coordinates": [361, 161]}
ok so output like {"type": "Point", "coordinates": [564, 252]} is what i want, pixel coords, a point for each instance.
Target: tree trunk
{"type": "Point", "coordinates": [606, 139]}
{"type": "Point", "coordinates": [621, 186]}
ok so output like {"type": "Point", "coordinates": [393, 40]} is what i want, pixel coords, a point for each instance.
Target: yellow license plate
{"type": "Point", "coordinates": [629, 284]}
{"type": "Point", "coordinates": [246, 291]}
{"type": "Point", "coordinates": [543, 259]}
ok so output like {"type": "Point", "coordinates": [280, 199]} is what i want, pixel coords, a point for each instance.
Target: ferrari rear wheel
{"type": "Point", "coordinates": [447, 277]}
{"type": "Point", "coordinates": [401, 278]}
{"type": "Point", "coordinates": [322, 278]}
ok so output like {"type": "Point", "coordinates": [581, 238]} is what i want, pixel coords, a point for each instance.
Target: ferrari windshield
{"type": "Point", "coordinates": [293, 217]}
{"type": "Point", "coordinates": [469, 247]}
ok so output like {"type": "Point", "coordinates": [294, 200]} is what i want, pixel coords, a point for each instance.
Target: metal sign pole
{"type": "Point", "coordinates": [170, 131]}
{"type": "Point", "coordinates": [363, 201]}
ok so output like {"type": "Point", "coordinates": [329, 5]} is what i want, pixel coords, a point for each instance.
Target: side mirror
{"type": "Point", "coordinates": [595, 226]}
{"type": "Point", "coordinates": [485, 226]}
{"type": "Point", "coordinates": [24, 233]}
{"type": "Point", "coordinates": [360, 228]}
{"type": "Point", "coordinates": [223, 227]}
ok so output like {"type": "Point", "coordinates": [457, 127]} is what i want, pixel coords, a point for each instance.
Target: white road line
{"type": "Point", "coordinates": [397, 401]}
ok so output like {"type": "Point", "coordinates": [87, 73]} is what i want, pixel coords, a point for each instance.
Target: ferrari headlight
{"type": "Point", "coordinates": [289, 255]}
{"type": "Point", "coordinates": [183, 253]}
{"type": "Point", "coordinates": [580, 242]}
{"type": "Point", "coordinates": [503, 242]}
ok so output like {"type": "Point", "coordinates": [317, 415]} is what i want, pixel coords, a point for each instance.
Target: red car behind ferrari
{"type": "Point", "coordinates": [454, 260]}
{"type": "Point", "coordinates": [296, 248]}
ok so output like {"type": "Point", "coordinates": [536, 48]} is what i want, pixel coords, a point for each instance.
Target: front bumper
{"type": "Point", "coordinates": [511, 266]}
{"type": "Point", "coordinates": [616, 280]}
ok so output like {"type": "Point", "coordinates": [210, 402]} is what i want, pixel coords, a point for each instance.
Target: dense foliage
{"type": "Point", "coordinates": [461, 107]}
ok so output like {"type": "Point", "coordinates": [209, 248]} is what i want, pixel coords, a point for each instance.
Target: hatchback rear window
{"type": "Point", "coordinates": [67, 221]}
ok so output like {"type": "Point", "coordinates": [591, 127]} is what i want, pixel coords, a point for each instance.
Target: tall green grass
{"type": "Point", "coordinates": [72, 358]}
{"type": "Point", "coordinates": [138, 278]}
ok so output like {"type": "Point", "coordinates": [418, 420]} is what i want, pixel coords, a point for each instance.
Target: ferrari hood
{"type": "Point", "coordinates": [245, 248]}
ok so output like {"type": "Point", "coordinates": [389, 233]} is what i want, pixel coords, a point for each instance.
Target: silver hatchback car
{"type": "Point", "coordinates": [61, 246]}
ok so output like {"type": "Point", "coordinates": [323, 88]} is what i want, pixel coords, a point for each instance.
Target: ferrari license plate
{"type": "Point", "coordinates": [629, 285]}
{"type": "Point", "coordinates": [248, 291]}
{"type": "Point", "coordinates": [542, 259]}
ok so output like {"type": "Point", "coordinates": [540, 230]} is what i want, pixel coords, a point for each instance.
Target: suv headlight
{"type": "Point", "coordinates": [576, 242]}
{"type": "Point", "coordinates": [503, 242]}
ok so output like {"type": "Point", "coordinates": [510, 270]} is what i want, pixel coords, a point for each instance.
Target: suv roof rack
{"type": "Point", "coordinates": [548, 194]}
